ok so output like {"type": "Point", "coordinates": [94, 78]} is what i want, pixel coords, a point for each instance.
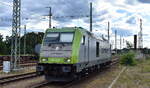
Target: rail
{"type": "Point", "coordinates": [9, 79]}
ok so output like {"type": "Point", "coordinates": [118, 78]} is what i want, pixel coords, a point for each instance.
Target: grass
{"type": "Point", "coordinates": [135, 76]}
{"type": "Point", "coordinates": [145, 65]}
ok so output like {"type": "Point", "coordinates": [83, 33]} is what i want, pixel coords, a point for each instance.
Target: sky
{"type": "Point", "coordinates": [123, 15]}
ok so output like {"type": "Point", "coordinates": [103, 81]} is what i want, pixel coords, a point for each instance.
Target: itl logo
{"type": "Point", "coordinates": [57, 48]}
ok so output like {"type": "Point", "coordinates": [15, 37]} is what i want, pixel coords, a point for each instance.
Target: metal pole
{"type": "Point", "coordinates": [15, 34]}
{"type": "Point", "coordinates": [12, 50]}
{"type": "Point", "coordinates": [24, 40]}
{"type": "Point", "coordinates": [123, 43]}
{"type": "Point", "coordinates": [108, 31]}
{"type": "Point", "coordinates": [19, 44]}
{"type": "Point", "coordinates": [116, 41]}
{"type": "Point", "coordinates": [19, 34]}
{"type": "Point", "coordinates": [140, 41]}
{"type": "Point", "coordinates": [50, 17]}
{"type": "Point", "coordinates": [135, 42]}
{"type": "Point", "coordinates": [120, 43]}
{"type": "Point", "coordinates": [91, 17]}
{"type": "Point", "coordinates": [141, 35]}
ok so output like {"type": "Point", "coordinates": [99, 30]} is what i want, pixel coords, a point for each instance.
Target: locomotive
{"type": "Point", "coordinates": [71, 51]}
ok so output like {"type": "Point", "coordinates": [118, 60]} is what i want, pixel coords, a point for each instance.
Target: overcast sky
{"type": "Point", "coordinates": [124, 16]}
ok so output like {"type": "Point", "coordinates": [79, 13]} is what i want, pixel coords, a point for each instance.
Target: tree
{"type": "Point", "coordinates": [32, 39]}
{"type": "Point", "coordinates": [8, 44]}
{"type": "Point", "coordinates": [3, 48]}
{"type": "Point", "coordinates": [129, 44]}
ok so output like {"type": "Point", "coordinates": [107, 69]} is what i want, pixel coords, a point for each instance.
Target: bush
{"type": "Point", "coordinates": [128, 59]}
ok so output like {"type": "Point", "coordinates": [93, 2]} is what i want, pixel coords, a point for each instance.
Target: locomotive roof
{"type": "Point", "coordinates": [72, 29]}
{"type": "Point", "coordinates": [66, 29]}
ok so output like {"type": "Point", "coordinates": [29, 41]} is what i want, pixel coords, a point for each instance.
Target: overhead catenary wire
{"type": "Point", "coordinates": [6, 4]}
{"type": "Point", "coordinates": [54, 17]}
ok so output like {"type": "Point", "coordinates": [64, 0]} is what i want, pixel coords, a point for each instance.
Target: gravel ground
{"type": "Point", "coordinates": [98, 80]}
{"type": "Point", "coordinates": [136, 76]}
{"type": "Point", "coordinates": [133, 77]}
{"type": "Point", "coordinates": [101, 80]}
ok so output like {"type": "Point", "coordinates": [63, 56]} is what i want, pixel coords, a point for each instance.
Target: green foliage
{"type": "Point", "coordinates": [128, 59]}
{"type": "Point", "coordinates": [32, 39]}
{"type": "Point", "coordinates": [129, 45]}
{"type": "Point", "coordinates": [3, 47]}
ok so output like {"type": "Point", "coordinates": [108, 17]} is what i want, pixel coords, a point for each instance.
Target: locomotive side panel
{"type": "Point", "coordinates": [93, 52]}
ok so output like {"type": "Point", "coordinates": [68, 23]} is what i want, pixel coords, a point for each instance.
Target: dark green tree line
{"type": "Point", "coordinates": [32, 39]}
{"type": "Point", "coordinates": [3, 47]}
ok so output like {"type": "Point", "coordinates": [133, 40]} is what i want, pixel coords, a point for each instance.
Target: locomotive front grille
{"type": "Point", "coordinates": [57, 54]}
{"type": "Point", "coordinates": [55, 70]}
{"type": "Point", "coordinates": [56, 51]}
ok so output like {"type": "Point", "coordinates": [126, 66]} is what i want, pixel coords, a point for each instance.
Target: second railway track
{"type": "Point", "coordinates": [9, 79]}
{"type": "Point", "coordinates": [22, 65]}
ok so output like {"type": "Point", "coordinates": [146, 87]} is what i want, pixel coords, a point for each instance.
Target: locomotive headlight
{"type": "Point", "coordinates": [44, 59]}
{"type": "Point", "coordinates": [67, 60]}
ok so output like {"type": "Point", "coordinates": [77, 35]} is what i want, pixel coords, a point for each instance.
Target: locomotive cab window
{"type": "Point", "coordinates": [97, 49]}
{"type": "Point", "coordinates": [58, 37]}
{"type": "Point", "coordinates": [52, 37]}
{"type": "Point", "coordinates": [83, 40]}
{"type": "Point", "coordinates": [66, 37]}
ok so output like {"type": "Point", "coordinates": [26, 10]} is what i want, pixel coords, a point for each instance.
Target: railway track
{"type": "Point", "coordinates": [114, 61]}
{"type": "Point", "coordinates": [23, 65]}
{"type": "Point", "coordinates": [52, 84]}
{"type": "Point", "coordinates": [10, 79]}
{"type": "Point", "coordinates": [47, 84]}
{"type": "Point", "coordinates": [38, 85]}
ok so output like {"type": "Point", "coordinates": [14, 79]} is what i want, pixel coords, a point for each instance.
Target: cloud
{"type": "Point", "coordinates": [131, 2]}
{"type": "Point", "coordinates": [144, 1]}
{"type": "Point", "coordinates": [5, 24]}
{"type": "Point", "coordinates": [131, 20]}
{"type": "Point", "coordinates": [59, 8]}
{"type": "Point", "coordinates": [124, 15]}
{"type": "Point", "coordinates": [121, 11]}
{"type": "Point", "coordinates": [6, 32]}
{"type": "Point", "coordinates": [122, 32]}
